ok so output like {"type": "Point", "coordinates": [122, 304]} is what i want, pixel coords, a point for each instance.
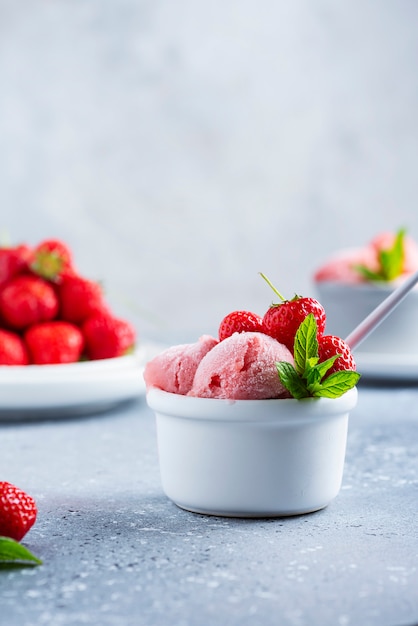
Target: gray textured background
{"type": "Point", "coordinates": [181, 147]}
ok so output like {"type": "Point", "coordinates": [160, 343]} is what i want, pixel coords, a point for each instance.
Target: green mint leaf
{"type": "Point", "coordinates": [324, 366]}
{"type": "Point", "coordinates": [13, 553]}
{"type": "Point", "coordinates": [368, 274]}
{"type": "Point", "coordinates": [291, 380]}
{"type": "Point", "coordinates": [314, 385]}
{"type": "Point", "coordinates": [312, 374]}
{"type": "Point", "coordinates": [337, 384]}
{"type": "Point", "coordinates": [390, 261]}
{"type": "Point", "coordinates": [308, 378]}
{"type": "Point", "coordinates": [306, 343]}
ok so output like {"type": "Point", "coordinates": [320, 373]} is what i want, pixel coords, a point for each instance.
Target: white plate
{"type": "Point", "coordinates": [72, 389]}
{"type": "Point", "coordinates": [380, 366]}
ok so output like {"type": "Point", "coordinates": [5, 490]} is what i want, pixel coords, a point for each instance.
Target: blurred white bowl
{"type": "Point", "coordinates": [251, 458]}
{"type": "Point", "coordinates": [348, 305]}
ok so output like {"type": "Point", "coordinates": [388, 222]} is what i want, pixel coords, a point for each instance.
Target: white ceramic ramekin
{"type": "Point", "coordinates": [348, 305]}
{"type": "Point", "coordinates": [251, 458]}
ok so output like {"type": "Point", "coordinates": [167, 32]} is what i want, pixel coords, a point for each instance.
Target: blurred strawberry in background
{"type": "Point", "coordinates": [51, 314]}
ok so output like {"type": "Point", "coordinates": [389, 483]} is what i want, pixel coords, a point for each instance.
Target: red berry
{"type": "Point", "coordinates": [329, 346]}
{"type": "Point", "coordinates": [17, 511]}
{"type": "Point", "coordinates": [12, 349]}
{"type": "Point", "coordinates": [80, 298]}
{"type": "Point", "coordinates": [54, 342]}
{"type": "Point", "coordinates": [239, 322]}
{"type": "Point", "coordinates": [51, 259]}
{"type": "Point", "coordinates": [27, 300]}
{"type": "Point", "coordinates": [282, 321]}
{"type": "Point", "coordinates": [107, 336]}
{"type": "Point", "coordinates": [13, 261]}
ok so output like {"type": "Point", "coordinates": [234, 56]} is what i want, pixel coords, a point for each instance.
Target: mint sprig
{"type": "Point", "coordinates": [390, 261]}
{"type": "Point", "coordinates": [307, 378]}
{"type": "Point", "coordinates": [13, 553]}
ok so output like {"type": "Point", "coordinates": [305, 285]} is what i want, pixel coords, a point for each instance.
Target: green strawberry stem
{"type": "Point", "coordinates": [47, 264]}
{"type": "Point", "coordinates": [273, 287]}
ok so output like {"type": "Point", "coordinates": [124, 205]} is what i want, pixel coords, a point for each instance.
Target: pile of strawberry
{"type": "Point", "coordinates": [299, 324]}
{"type": "Point", "coordinates": [50, 313]}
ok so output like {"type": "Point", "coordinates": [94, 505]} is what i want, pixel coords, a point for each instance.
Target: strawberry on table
{"type": "Point", "coordinates": [239, 322]}
{"type": "Point", "coordinates": [107, 336]}
{"type": "Point", "coordinates": [18, 511]}
{"type": "Point", "coordinates": [27, 300]}
{"type": "Point", "coordinates": [51, 259]}
{"type": "Point", "coordinates": [282, 320]}
{"type": "Point", "coordinates": [80, 298]}
{"type": "Point", "coordinates": [329, 346]}
{"type": "Point", "coordinates": [54, 342]}
{"type": "Point", "coordinates": [12, 349]}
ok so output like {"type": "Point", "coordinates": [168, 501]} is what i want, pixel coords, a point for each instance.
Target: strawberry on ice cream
{"type": "Point", "coordinates": [173, 370]}
{"type": "Point", "coordinates": [242, 367]}
{"type": "Point", "coordinates": [288, 357]}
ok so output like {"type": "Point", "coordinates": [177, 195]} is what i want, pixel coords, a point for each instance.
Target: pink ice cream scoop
{"type": "Point", "coordinates": [410, 247]}
{"type": "Point", "coordinates": [343, 267]}
{"type": "Point", "coordinates": [242, 367]}
{"type": "Point", "coordinates": [173, 370]}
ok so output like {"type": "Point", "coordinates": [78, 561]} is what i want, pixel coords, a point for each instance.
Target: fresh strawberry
{"type": "Point", "coordinates": [27, 300]}
{"type": "Point", "coordinates": [282, 320]}
{"type": "Point", "coordinates": [51, 259]}
{"type": "Point", "coordinates": [13, 261]}
{"type": "Point", "coordinates": [80, 298]}
{"type": "Point", "coordinates": [329, 346]}
{"type": "Point", "coordinates": [107, 336]}
{"type": "Point", "coordinates": [239, 322]}
{"type": "Point", "coordinates": [18, 511]}
{"type": "Point", "coordinates": [310, 375]}
{"type": "Point", "coordinates": [12, 349]}
{"type": "Point", "coordinates": [54, 342]}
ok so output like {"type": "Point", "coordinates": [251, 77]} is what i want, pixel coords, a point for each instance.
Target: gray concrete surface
{"type": "Point", "coordinates": [117, 552]}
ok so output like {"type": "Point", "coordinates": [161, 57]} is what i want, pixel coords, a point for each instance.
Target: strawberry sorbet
{"type": "Point", "coordinates": [343, 266]}
{"type": "Point", "coordinates": [242, 367]}
{"type": "Point", "coordinates": [173, 370]}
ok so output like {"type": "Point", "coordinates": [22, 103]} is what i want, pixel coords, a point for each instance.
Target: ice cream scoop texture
{"type": "Point", "coordinates": [173, 370]}
{"type": "Point", "coordinates": [343, 266]}
{"type": "Point", "coordinates": [241, 367]}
